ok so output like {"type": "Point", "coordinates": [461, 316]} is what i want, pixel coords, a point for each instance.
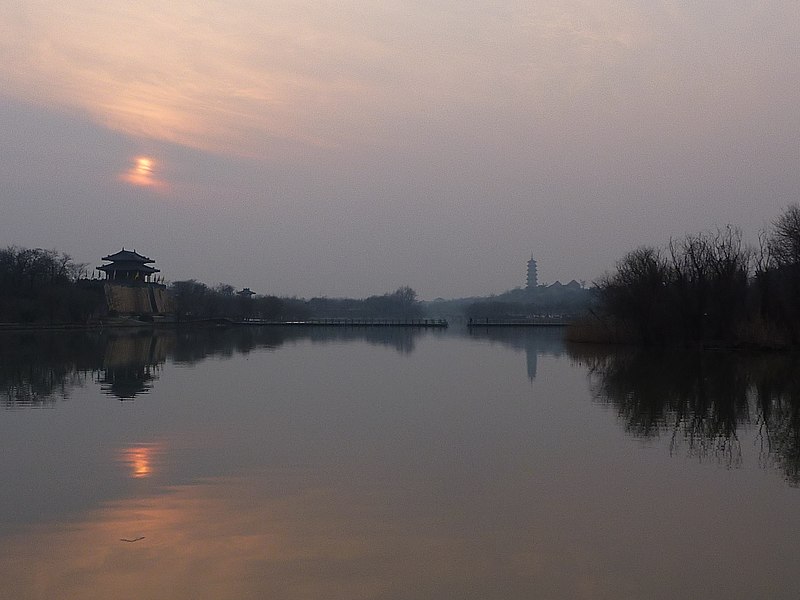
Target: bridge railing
{"type": "Point", "coordinates": [341, 322]}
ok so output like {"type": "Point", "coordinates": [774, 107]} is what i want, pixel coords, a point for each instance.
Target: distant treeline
{"type": "Point", "coordinates": [708, 288]}
{"type": "Point", "coordinates": [195, 300]}
{"type": "Point", "coordinates": [556, 299]}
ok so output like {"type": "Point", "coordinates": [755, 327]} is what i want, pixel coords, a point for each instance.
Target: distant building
{"type": "Point", "coordinates": [533, 275]}
{"type": "Point", "coordinates": [246, 293]}
{"type": "Point", "coordinates": [127, 265]}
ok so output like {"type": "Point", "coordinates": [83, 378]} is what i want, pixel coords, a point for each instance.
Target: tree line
{"type": "Point", "coordinates": [709, 288]}
{"type": "Point", "coordinates": [38, 286]}
{"type": "Point", "coordinates": [196, 300]}
{"type": "Point", "coordinates": [557, 299]}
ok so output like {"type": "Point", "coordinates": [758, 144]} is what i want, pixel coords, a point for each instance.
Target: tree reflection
{"type": "Point", "coordinates": [777, 386]}
{"type": "Point", "coordinates": [37, 368]}
{"type": "Point", "coordinates": [703, 400]}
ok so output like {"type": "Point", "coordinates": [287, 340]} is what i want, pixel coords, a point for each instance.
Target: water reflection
{"type": "Point", "coordinates": [140, 459]}
{"type": "Point", "coordinates": [704, 400]}
{"type": "Point", "coordinates": [39, 368]}
{"type": "Point", "coordinates": [325, 471]}
{"type": "Point", "coordinates": [240, 538]}
{"type": "Point", "coordinates": [534, 341]}
{"type": "Point", "coordinates": [131, 363]}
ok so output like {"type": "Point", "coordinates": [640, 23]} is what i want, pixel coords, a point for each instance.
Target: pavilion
{"type": "Point", "coordinates": [128, 266]}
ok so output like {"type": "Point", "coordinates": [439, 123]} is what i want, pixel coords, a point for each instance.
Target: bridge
{"type": "Point", "coordinates": [533, 322]}
{"type": "Point", "coordinates": [418, 323]}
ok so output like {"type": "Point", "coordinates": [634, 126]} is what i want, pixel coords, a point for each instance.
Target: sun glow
{"type": "Point", "coordinates": [141, 172]}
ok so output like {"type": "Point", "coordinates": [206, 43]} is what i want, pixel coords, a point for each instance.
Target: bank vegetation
{"type": "Point", "coordinates": [707, 289]}
{"type": "Point", "coordinates": [44, 286]}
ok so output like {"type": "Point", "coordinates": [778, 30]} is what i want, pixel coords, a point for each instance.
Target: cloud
{"type": "Point", "coordinates": [238, 77]}
{"type": "Point", "coordinates": [208, 77]}
{"type": "Point", "coordinates": [252, 78]}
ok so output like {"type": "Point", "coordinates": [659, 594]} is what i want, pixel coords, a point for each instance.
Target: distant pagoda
{"type": "Point", "coordinates": [533, 275]}
{"type": "Point", "coordinates": [128, 266]}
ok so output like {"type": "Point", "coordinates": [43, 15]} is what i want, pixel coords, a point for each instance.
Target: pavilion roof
{"type": "Point", "coordinates": [128, 256]}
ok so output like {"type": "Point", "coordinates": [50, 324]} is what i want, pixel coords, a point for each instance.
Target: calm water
{"type": "Point", "coordinates": [399, 464]}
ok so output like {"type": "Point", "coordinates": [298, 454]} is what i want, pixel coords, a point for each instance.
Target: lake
{"type": "Point", "coordinates": [348, 463]}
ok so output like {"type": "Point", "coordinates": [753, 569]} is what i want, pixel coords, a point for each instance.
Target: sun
{"type": "Point", "coordinates": [141, 172]}
{"type": "Point", "coordinates": [144, 166]}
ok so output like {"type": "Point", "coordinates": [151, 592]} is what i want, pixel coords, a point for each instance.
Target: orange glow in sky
{"type": "Point", "coordinates": [141, 173]}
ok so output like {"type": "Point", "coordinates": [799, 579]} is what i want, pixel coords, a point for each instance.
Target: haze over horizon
{"type": "Point", "coordinates": [346, 149]}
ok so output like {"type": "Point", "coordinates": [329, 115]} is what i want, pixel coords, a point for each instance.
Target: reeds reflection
{"type": "Point", "coordinates": [703, 400]}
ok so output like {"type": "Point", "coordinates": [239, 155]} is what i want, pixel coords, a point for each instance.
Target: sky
{"type": "Point", "coordinates": [349, 148]}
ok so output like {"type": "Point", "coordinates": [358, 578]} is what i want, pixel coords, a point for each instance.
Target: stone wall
{"type": "Point", "coordinates": [137, 299]}
{"type": "Point", "coordinates": [163, 298]}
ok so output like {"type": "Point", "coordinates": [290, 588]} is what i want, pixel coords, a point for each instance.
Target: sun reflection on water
{"type": "Point", "coordinates": [140, 459]}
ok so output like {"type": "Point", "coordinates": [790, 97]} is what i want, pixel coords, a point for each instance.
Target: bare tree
{"type": "Point", "coordinates": [711, 273]}
{"type": "Point", "coordinates": [636, 292]}
{"type": "Point", "coordinates": [779, 284]}
{"type": "Point", "coordinates": [784, 239]}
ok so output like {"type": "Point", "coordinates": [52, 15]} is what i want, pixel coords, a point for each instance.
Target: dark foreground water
{"type": "Point", "coordinates": [389, 463]}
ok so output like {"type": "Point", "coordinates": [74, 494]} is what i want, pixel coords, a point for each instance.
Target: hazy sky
{"type": "Point", "coordinates": [350, 147]}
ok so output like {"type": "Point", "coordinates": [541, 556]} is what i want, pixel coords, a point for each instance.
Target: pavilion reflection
{"type": "Point", "coordinates": [131, 364]}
